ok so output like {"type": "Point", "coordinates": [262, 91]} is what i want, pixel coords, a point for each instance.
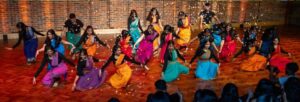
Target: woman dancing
{"type": "Point", "coordinates": [184, 30]}
{"type": "Point", "coordinates": [88, 76]}
{"type": "Point", "coordinates": [123, 73]}
{"type": "Point", "coordinates": [145, 49]}
{"type": "Point", "coordinates": [172, 68]}
{"type": "Point", "coordinates": [125, 44]}
{"type": "Point", "coordinates": [276, 58]}
{"type": "Point", "coordinates": [90, 41]}
{"type": "Point", "coordinates": [206, 69]}
{"type": "Point", "coordinates": [57, 62]}
{"type": "Point", "coordinates": [30, 41]}
{"type": "Point", "coordinates": [153, 18]}
{"type": "Point", "coordinates": [228, 44]}
{"type": "Point", "coordinates": [167, 35]}
{"type": "Point", "coordinates": [134, 26]}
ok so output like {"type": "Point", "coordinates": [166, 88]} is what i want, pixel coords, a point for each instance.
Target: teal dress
{"type": "Point", "coordinates": [206, 70]}
{"type": "Point", "coordinates": [134, 30]}
{"type": "Point", "coordinates": [173, 68]}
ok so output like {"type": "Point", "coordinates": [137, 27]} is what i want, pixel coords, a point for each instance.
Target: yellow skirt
{"type": "Point", "coordinates": [158, 30]}
{"type": "Point", "coordinates": [91, 50]}
{"type": "Point", "coordinates": [254, 63]}
{"type": "Point", "coordinates": [121, 77]}
{"type": "Point", "coordinates": [185, 36]}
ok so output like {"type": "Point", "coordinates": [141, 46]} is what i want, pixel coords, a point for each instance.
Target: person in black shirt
{"type": "Point", "coordinates": [206, 17]}
{"type": "Point", "coordinates": [57, 62]}
{"type": "Point", "coordinates": [26, 33]}
{"type": "Point", "coordinates": [73, 26]}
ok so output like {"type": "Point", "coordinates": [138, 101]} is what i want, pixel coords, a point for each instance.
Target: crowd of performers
{"type": "Point", "coordinates": [217, 43]}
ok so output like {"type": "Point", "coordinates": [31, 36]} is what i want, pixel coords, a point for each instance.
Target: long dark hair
{"type": "Point", "coordinates": [85, 34]}
{"type": "Point", "coordinates": [231, 32]}
{"type": "Point", "coordinates": [149, 17]}
{"type": "Point", "coordinates": [230, 93]}
{"type": "Point", "coordinates": [167, 29]}
{"type": "Point", "coordinates": [124, 34]}
{"type": "Point", "coordinates": [130, 18]}
{"type": "Point", "coordinates": [55, 36]}
{"type": "Point", "coordinates": [22, 26]}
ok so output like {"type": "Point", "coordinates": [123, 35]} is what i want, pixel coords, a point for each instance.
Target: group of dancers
{"type": "Point", "coordinates": [217, 42]}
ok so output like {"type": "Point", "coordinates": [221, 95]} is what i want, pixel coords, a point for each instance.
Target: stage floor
{"type": "Point", "coordinates": [16, 77]}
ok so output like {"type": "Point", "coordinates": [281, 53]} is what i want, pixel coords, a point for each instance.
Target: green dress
{"type": "Point", "coordinates": [174, 68]}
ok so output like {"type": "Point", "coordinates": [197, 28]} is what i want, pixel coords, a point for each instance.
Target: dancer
{"type": "Point", "coordinates": [134, 26]}
{"type": "Point", "coordinates": [58, 65]}
{"type": "Point", "coordinates": [228, 43]}
{"type": "Point", "coordinates": [255, 61]}
{"type": "Point", "coordinates": [203, 37]}
{"type": "Point", "coordinates": [216, 34]}
{"type": "Point", "coordinates": [56, 42]}
{"type": "Point", "coordinates": [276, 58]}
{"type": "Point", "coordinates": [90, 41]}
{"type": "Point", "coordinates": [73, 26]}
{"type": "Point", "coordinates": [267, 40]}
{"type": "Point", "coordinates": [145, 49]}
{"type": "Point", "coordinates": [153, 18]}
{"type": "Point", "coordinates": [206, 69]}
{"type": "Point", "coordinates": [126, 44]}
{"type": "Point", "coordinates": [249, 41]}
{"type": "Point", "coordinates": [172, 68]}
{"type": "Point", "coordinates": [30, 41]}
{"type": "Point", "coordinates": [124, 72]}
{"type": "Point", "coordinates": [88, 76]}
{"type": "Point", "coordinates": [206, 17]}
{"type": "Point", "coordinates": [184, 30]}
{"type": "Point", "coordinates": [167, 35]}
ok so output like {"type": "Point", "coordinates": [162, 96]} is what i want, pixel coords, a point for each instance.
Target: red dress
{"type": "Point", "coordinates": [126, 47]}
{"type": "Point", "coordinates": [229, 48]}
{"type": "Point", "coordinates": [278, 60]}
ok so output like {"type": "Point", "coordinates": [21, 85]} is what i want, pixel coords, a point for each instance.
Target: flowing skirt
{"type": "Point", "coordinates": [91, 50]}
{"type": "Point", "coordinates": [91, 80]}
{"type": "Point", "coordinates": [157, 40]}
{"type": "Point", "coordinates": [185, 36]}
{"type": "Point", "coordinates": [228, 50]}
{"type": "Point", "coordinates": [173, 70]}
{"type": "Point", "coordinates": [30, 48]}
{"type": "Point", "coordinates": [279, 62]}
{"type": "Point", "coordinates": [55, 72]}
{"type": "Point", "coordinates": [163, 51]}
{"type": "Point", "coordinates": [254, 63]}
{"type": "Point", "coordinates": [144, 51]}
{"type": "Point", "coordinates": [121, 77]}
{"type": "Point", "coordinates": [74, 39]}
{"type": "Point", "coordinates": [206, 70]}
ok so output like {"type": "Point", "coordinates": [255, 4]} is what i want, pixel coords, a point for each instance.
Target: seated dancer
{"type": "Point", "coordinates": [255, 61]}
{"type": "Point", "coordinates": [184, 30]}
{"type": "Point", "coordinates": [145, 49]}
{"type": "Point", "coordinates": [206, 16]}
{"type": "Point", "coordinates": [276, 58]}
{"type": "Point", "coordinates": [124, 72]}
{"type": "Point", "coordinates": [206, 69]}
{"type": "Point", "coordinates": [57, 62]}
{"type": "Point", "coordinates": [228, 43]}
{"type": "Point", "coordinates": [167, 35]}
{"type": "Point", "coordinates": [88, 76]}
{"type": "Point", "coordinates": [216, 34]}
{"type": "Point", "coordinates": [125, 44]}
{"type": "Point", "coordinates": [172, 68]}
{"type": "Point", "coordinates": [249, 41]}
{"type": "Point", "coordinates": [90, 41]}
{"type": "Point", "coordinates": [30, 41]}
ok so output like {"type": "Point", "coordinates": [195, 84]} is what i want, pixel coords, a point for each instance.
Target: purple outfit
{"type": "Point", "coordinates": [88, 75]}
{"type": "Point", "coordinates": [145, 49]}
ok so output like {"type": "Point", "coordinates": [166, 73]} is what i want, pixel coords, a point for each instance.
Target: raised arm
{"type": "Point", "coordinates": [100, 41]}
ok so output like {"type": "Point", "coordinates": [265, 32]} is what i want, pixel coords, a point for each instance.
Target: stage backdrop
{"type": "Point", "coordinates": [112, 14]}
